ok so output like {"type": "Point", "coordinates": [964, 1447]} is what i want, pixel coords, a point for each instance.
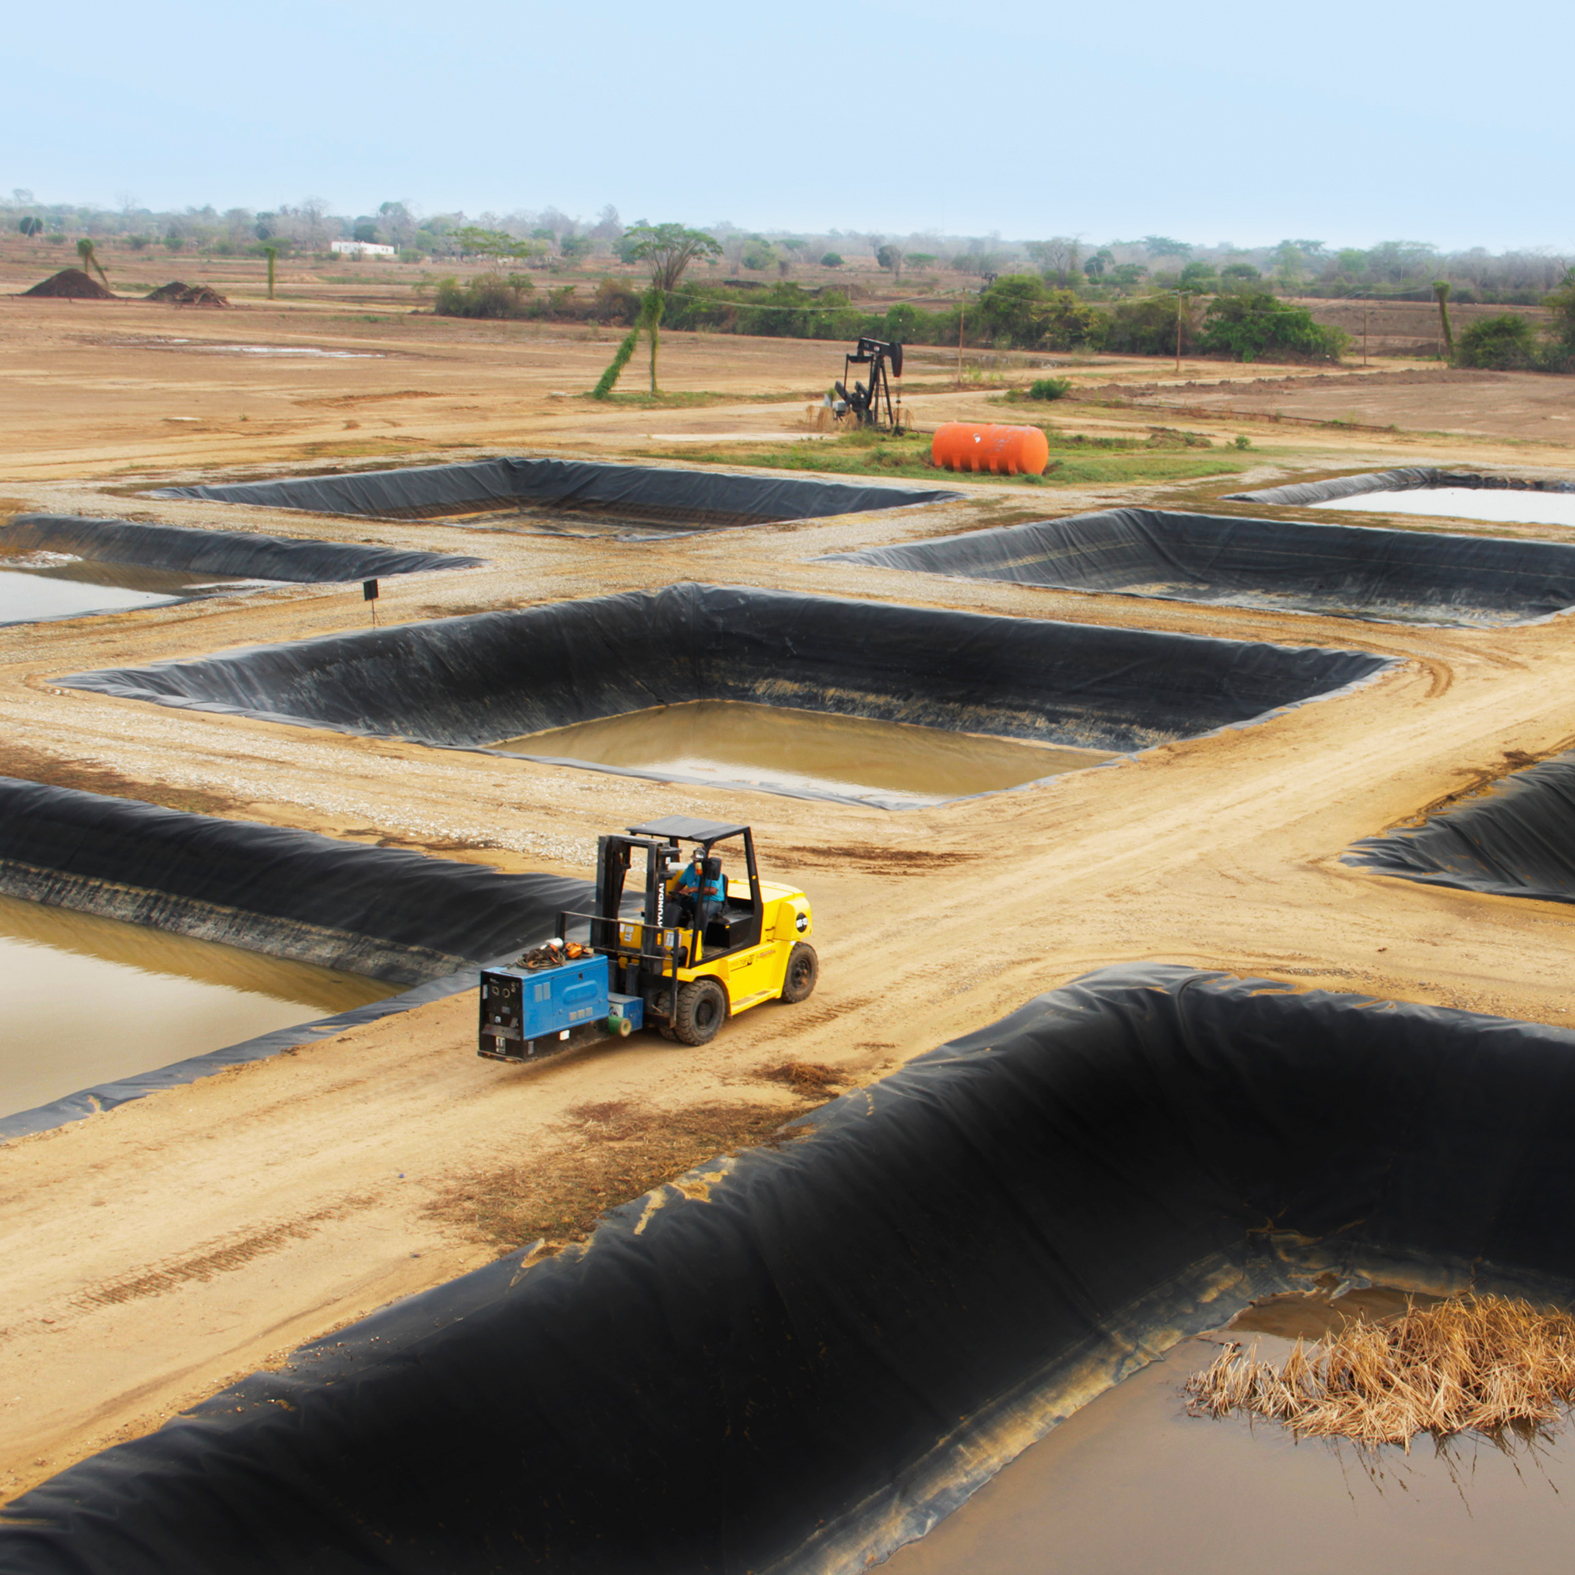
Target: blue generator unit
{"type": "Point", "coordinates": [525, 1011]}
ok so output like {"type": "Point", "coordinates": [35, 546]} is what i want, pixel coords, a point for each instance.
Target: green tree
{"type": "Point", "coordinates": [1562, 304]}
{"type": "Point", "coordinates": [831, 260]}
{"type": "Point", "coordinates": [1022, 309]}
{"type": "Point", "coordinates": [1253, 324]}
{"type": "Point", "coordinates": [1239, 276]}
{"type": "Point", "coordinates": [1148, 326]}
{"type": "Point", "coordinates": [89, 259]}
{"type": "Point", "coordinates": [667, 249]}
{"type": "Point", "coordinates": [475, 242]}
{"type": "Point", "coordinates": [1505, 343]}
{"type": "Point", "coordinates": [890, 258]}
{"type": "Point", "coordinates": [1199, 277]}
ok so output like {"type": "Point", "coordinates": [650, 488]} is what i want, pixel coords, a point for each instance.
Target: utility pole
{"type": "Point", "coordinates": [962, 313]}
{"type": "Point", "coordinates": [1364, 335]}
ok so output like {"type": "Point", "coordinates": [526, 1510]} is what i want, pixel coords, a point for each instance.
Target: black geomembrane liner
{"type": "Point", "coordinates": [1518, 841]}
{"type": "Point", "coordinates": [1347, 570]}
{"type": "Point", "coordinates": [805, 1360]}
{"type": "Point", "coordinates": [662, 496]}
{"type": "Point", "coordinates": [382, 912]}
{"type": "Point", "coordinates": [217, 552]}
{"type": "Point", "coordinates": [1405, 478]}
{"type": "Point", "coordinates": [472, 681]}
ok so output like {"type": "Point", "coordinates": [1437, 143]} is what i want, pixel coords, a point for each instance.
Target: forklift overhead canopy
{"type": "Point", "coordinates": [687, 828]}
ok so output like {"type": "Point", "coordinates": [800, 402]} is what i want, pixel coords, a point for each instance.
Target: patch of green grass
{"type": "Point", "coordinates": [876, 454]}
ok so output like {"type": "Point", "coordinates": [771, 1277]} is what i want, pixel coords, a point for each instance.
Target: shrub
{"type": "Point", "coordinates": [1028, 314]}
{"type": "Point", "coordinates": [615, 302]}
{"type": "Point", "coordinates": [831, 260]}
{"type": "Point", "coordinates": [1148, 326]}
{"type": "Point", "coordinates": [486, 295]}
{"type": "Point", "coordinates": [1050, 388]}
{"type": "Point", "coordinates": [1505, 343]}
{"type": "Point", "coordinates": [1256, 323]}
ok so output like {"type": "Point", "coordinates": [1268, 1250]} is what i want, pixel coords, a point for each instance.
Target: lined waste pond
{"type": "Point", "coordinates": [1508, 505]}
{"type": "Point", "coordinates": [70, 588]}
{"type": "Point", "coordinates": [789, 750]}
{"type": "Point", "coordinates": [1133, 1485]}
{"type": "Point", "coordinates": [89, 1000]}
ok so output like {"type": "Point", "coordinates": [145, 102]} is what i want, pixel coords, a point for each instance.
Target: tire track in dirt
{"type": "Point", "coordinates": [220, 1256]}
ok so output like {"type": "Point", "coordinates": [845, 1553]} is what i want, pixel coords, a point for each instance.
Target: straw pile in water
{"type": "Point", "coordinates": [1470, 1364]}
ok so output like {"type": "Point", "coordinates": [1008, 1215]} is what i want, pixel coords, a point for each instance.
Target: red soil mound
{"type": "Point", "coordinates": [72, 284]}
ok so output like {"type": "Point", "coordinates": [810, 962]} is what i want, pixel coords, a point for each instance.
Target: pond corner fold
{"type": "Point", "coordinates": [1517, 840]}
{"type": "Point", "coordinates": [829, 1346]}
{"type": "Point", "coordinates": [470, 682]}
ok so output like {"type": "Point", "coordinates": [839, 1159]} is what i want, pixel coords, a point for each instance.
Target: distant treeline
{"type": "Point", "coordinates": [1019, 312]}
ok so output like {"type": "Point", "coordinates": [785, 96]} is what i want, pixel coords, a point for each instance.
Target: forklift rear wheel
{"type": "Point", "coordinates": [803, 969]}
{"type": "Point", "coordinates": [702, 1009]}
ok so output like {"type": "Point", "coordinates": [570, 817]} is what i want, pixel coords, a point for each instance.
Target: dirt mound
{"type": "Point", "coordinates": [187, 294]}
{"type": "Point", "coordinates": [72, 284]}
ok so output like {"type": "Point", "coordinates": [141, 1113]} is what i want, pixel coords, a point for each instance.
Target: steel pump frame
{"type": "Point", "coordinates": [885, 362]}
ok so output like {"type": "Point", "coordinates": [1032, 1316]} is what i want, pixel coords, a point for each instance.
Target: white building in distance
{"type": "Point", "coordinates": [361, 249]}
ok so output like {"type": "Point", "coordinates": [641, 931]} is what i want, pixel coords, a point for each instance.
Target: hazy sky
{"type": "Point", "coordinates": [1348, 123]}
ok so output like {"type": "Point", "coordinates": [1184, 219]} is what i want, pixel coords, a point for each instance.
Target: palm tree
{"type": "Point", "coordinates": [89, 259]}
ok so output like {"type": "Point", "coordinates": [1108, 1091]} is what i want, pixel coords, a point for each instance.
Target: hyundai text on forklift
{"type": "Point", "coordinates": [681, 968]}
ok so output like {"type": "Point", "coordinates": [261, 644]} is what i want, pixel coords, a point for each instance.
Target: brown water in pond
{"type": "Point", "coordinates": [1133, 1485]}
{"type": "Point", "coordinates": [807, 751]}
{"type": "Point", "coordinates": [84, 1000]}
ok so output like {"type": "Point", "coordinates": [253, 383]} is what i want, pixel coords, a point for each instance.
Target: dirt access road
{"type": "Point", "coordinates": [159, 1250]}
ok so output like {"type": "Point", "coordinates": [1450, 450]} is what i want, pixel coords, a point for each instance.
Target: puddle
{"type": "Point", "coordinates": [1510, 505]}
{"type": "Point", "coordinates": [89, 999]}
{"type": "Point", "coordinates": [1132, 1485]}
{"type": "Point", "coordinates": [57, 585]}
{"type": "Point", "coordinates": [792, 750]}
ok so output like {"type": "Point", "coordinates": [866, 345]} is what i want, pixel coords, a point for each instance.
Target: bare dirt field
{"type": "Point", "coordinates": [159, 1250]}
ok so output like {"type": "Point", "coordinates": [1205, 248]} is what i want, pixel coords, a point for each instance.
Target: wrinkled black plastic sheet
{"type": "Point", "coordinates": [1344, 570]}
{"type": "Point", "coordinates": [1518, 841]}
{"type": "Point", "coordinates": [658, 494]}
{"type": "Point", "coordinates": [390, 914]}
{"type": "Point", "coordinates": [229, 553]}
{"type": "Point", "coordinates": [380, 912]}
{"type": "Point", "coordinates": [468, 682]}
{"type": "Point", "coordinates": [805, 1360]}
{"type": "Point", "coordinates": [1407, 478]}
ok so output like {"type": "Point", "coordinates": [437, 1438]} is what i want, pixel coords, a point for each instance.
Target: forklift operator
{"type": "Point", "coordinates": [700, 890]}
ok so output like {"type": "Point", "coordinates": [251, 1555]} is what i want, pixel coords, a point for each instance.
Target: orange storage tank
{"type": "Point", "coordinates": [1006, 451]}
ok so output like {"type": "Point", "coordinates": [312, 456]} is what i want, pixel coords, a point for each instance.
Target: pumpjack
{"type": "Point", "coordinates": [682, 967]}
{"type": "Point", "coordinates": [870, 404]}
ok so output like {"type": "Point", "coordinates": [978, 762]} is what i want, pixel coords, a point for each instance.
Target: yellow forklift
{"type": "Point", "coordinates": [678, 963]}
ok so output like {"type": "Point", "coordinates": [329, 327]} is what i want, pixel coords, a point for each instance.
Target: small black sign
{"type": "Point", "coordinates": [369, 590]}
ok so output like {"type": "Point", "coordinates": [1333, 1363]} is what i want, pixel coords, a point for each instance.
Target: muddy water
{"type": "Point", "coordinates": [84, 999]}
{"type": "Point", "coordinates": [1512, 505]}
{"type": "Point", "coordinates": [806, 751]}
{"type": "Point", "coordinates": [52, 585]}
{"type": "Point", "coordinates": [1132, 1485]}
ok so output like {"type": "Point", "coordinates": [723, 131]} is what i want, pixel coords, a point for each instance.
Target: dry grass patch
{"type": "Point", "coordinates": [1482, 1364]}
{"type": "Point", "coordinates": [615, 1151]}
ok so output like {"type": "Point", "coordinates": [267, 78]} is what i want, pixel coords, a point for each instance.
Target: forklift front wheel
{"type": "Point", "coordinates": [702, 1009]}
{"type": "Point", "coordinates": [803, 969]}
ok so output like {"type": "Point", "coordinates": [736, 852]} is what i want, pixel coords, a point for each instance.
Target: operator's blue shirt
{"type": "Point", "coordinates": [710, 887]}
